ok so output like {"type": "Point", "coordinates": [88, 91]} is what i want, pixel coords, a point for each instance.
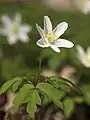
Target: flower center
{"type": "Point", "coordinates": [50, 37]}
{"type": "Point", "coordinates": [15, 29]}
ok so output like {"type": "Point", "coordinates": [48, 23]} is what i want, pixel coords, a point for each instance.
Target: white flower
{"type": "Point", "coordinates": [83, 5]}
{"type": "Point", "coordinates": [83, 56]}
{"type": "Point", "coordinates": [50, 38]}
{"type": "Point", "coordinates": [13, 29]}
{"type": "Point", "coordinates": [86, 6]}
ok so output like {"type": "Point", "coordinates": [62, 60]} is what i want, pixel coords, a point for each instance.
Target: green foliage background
{"type": "Point", "coordinates": [22, 58]}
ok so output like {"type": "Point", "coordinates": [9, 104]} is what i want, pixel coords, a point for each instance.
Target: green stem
{"type": "Point", "coordinates": [39, 71]}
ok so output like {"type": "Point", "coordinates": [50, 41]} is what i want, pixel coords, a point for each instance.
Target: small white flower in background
{"type": "Point", "coordinates": [14, 30]}
{"type": "Point", "coordinates": [50, 38]}
{"type": "Point", "coordinates": [86, 7]}
{"type": "Point", "coordinates": [83, 5]}
{"type": "Point", "coordinates": [83, 56]}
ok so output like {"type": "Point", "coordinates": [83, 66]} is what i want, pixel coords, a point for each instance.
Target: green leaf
{"type": "Point", "coordinates": [78, 99]}
{"type": "Point", "coordinates": [61, 83]}
{"type": "Point", "coordinates": [16, 85]}
{"type": "Point", "coordinates": [65, 87]}
{"type": "Point", "coordinates": [51, 92]}
{"type": "Point", "coordinates": [32, 104]}
{"type": "Point", "coordinates": [31, 108]}
{"type": "Point", "coordinates": [68, 106]}
{"type": "Point", "coordinates": [38, 100]}
{"type": "Point", "coordinates": [8, 84]}
{"type": "Point", "coordinates": [86, 93]}
{"type": "Point", "coordinates": [27, 99]}
{"type": "Point", "coordinates": [45, 99]}
{"type": "Point", "coordinates": [21, 95]}
{"type": "Point", "coordinates": [58, 103]}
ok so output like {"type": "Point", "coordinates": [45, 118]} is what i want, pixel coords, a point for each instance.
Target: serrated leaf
{"type": "Point", "coordinates": [68, 106]}
{"type": "Point", "coordinates": [61, 83]}
{"type": "Point", "coordinates": [65, 87]}
{"type": "Point", "coordinates": [31, 108]}
{"type": "Point", "coordinates": [38, 98]}
{"type": "Point", "coordinates": [45, 99]}
{"type": "Point", "coordinates": [8, 84]}
{"type": "Point", "coordinates": [58, 103]}
{"type": "Point", "coordinates": [17, 84]}
{"type": "Point", "coordinates": [32, 104]}
{"type": "Point", "coordinates": [27, 99]}
{"type": "Point", "coordinates": [22, 94]}
{"type": "Point", "coordinates": [51, 92]}
{"type": "Point", "coordinates": [60, 80]}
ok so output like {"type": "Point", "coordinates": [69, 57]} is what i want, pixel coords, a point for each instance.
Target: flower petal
{"type": "Point", "coordinates": [12, 39]}
{"type": "Point", "coordinates": [25, 29]}
{"type": "Point", "coordinates": [17, 19]}
{"type": "Point", "coordinates": [64, 43]}
{"type": "Point", "coordinates": [55, 48]}
{"type": "Point", "coordinates": [6, 20]}
{"type": "Point", "coordinates": [60, 29]}
{"type": "Point", "coordinates": [47, 25]}
{"type": "Point", "coordinates": [80, 51]}
{"type": "Point", "coordinates": [3, 31]}
{"type": "Point", "coordinates": [41, 43]}
{"type": "Point", "coordinates": [86, 7]}
{"type": "Point", "coordinates": [88, 52]}
{"type": "Point", "coordinates": [23, 37]}
{"type": "Point", "coordinates": [41, 31]}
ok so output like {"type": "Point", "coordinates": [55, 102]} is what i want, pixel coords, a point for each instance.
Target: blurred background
{"type": "Point", "coordinates": [22, 58]}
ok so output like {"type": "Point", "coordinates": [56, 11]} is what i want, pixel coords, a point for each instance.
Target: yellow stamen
{"type": "Point", "coordinates": [50, 37]}
{"type": "Point", "coordinates": [15, 29]}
